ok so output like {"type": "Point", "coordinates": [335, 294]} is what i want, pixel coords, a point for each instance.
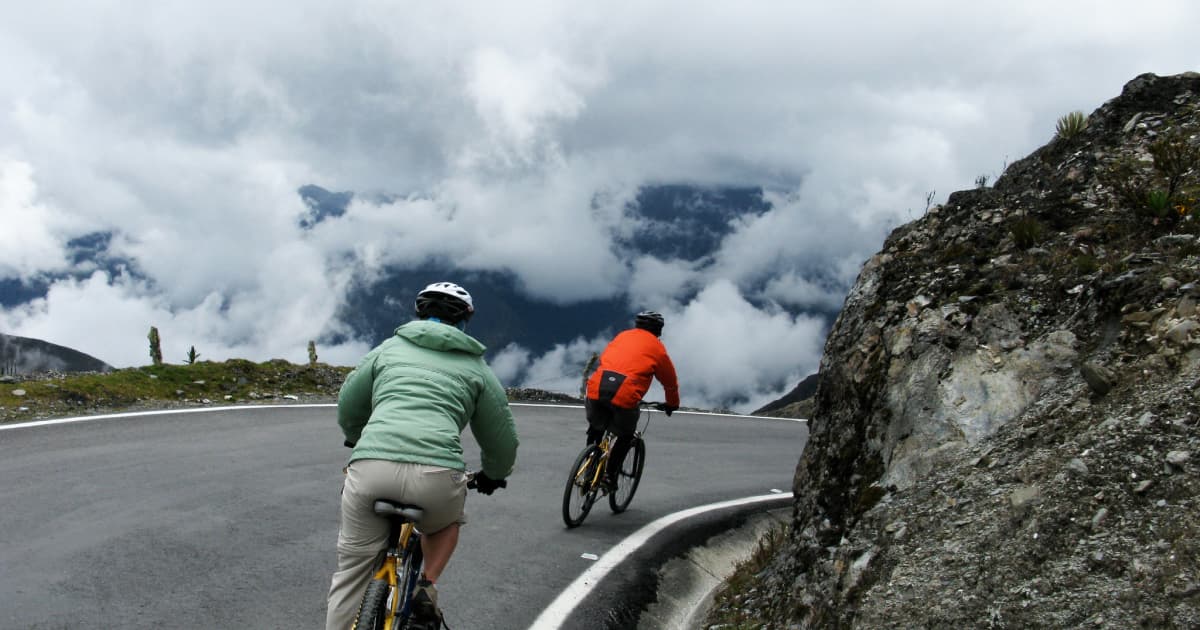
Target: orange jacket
{"type": "Point", "coordinates": [628, 365]}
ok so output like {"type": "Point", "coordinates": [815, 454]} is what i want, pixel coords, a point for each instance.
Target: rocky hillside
{"type": "Point", "coordinates": [1005, 432]}
{"type": "Point", "coordinates": [23, 355]}
{"type": "Point", "coordinates": [797, 403]}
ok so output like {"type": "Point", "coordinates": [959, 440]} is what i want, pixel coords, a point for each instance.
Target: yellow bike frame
{"type": "Point", "coordinates": [389, 572]}
{"type": "Point", "coordinates": [598, 473]}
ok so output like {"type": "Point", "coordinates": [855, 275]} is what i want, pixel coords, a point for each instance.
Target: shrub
{"type": "Point", "coordinates": [1129, 183]}
{"type": "Point", "coordinates": [192, 355]}
{"type": "Point", "coordinates": [1174, 157]}
{"type": "Point", "coordinates": [1071, 125]}
{"type": "Point", "coordinates": [1026, 232]}
{"type": "Point", "coordinates": [1086, 264]}
{"type": "Point", "coordinates": [155, 346]}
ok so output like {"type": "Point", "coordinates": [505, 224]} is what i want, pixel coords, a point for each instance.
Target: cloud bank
{"type": "Point", "coordinates": [512, 137]}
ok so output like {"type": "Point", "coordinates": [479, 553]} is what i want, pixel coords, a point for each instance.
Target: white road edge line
{"type": "Point", "coordinates": [161, 412]}
{"type": "Point", "coordinates": [157, 412]}
{"type": "Point", "coordinates": [557, 612]}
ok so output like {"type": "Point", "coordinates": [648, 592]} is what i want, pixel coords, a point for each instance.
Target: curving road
{"type": "Point", "coordinates": [227, 518]}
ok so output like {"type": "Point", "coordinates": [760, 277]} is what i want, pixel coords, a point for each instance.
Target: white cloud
{"type": "Point", "coordinates": [518, 99]}
{"type": "Point", "coordinates": [32, 240]}
{"type": "Point", "coordinates": [509, 364]}
{"type": "Point", "coordinates": [725, 350]}
{"type": "Point", "coordinates": [109, 319]}
{"type": "Point", "coordinates": [654, 283]}
{"type": "Point", "coordinates": [561, 369]}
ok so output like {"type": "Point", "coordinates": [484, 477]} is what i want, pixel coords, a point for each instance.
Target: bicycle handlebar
{"type": "Point", "coordinates": [471, 485]}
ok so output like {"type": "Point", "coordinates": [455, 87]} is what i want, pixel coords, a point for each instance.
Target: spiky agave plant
{"type": "Point", "coordinates": [1071, 125]}
{"type": "Point", "coordinates": [1159, 203]}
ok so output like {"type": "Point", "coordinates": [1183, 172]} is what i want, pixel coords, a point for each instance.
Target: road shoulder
{"type": "Point", "coordinates": [686, 583]}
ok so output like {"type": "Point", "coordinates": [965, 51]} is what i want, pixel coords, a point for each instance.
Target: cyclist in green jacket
{"type": "Point", "coordinates": [404, 408]}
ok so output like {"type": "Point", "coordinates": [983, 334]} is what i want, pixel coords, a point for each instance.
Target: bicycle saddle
{"type": "Point", "coordinates": [387, 507]}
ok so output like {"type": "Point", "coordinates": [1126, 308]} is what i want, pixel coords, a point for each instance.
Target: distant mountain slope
{"type": "Point", "coordinates": [87, 254]}
{"type": "Point", "coordinates": [374, 311]}
{"type": "Point", "coordinates": [23, 355]}
{"type": "Point", "coordinates": [804, 390]}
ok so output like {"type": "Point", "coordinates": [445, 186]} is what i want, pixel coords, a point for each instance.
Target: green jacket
{"type": "Point", "coordinates": [411, 397]}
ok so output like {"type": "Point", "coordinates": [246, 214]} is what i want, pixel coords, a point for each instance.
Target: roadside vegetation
{"type": "Point", "coordinates": [196, 384]}
{"type": "Point", "coordinates": [167, 386]}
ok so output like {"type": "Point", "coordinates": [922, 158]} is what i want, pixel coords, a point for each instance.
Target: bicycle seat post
{"type": "Point", "coordinates": [395, 526]}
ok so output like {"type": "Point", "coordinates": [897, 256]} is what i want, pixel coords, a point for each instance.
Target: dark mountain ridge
{"type": "Point", "coordinates": [21, 356]}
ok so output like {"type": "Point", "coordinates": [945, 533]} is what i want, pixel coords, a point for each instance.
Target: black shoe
{"type": "Point", "coordinates": [609, 484]}
{"type": "Point", "coordinates": [425, 613]}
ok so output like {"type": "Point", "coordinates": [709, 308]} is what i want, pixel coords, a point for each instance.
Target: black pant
{"type": "Point", "coordinates": [622, 422]}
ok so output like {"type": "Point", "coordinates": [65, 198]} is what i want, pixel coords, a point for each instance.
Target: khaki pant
{"type": "Point", "coordinates": [440, 492]}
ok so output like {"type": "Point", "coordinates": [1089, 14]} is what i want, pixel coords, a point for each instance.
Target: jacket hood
{"type": "Point", "coordinates": [438, 336]}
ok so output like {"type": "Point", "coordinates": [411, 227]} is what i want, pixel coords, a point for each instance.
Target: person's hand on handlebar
{"type": "Point", "coordinates": [669, 409]}
{"type": "Point", "coordinates": [485, 484]}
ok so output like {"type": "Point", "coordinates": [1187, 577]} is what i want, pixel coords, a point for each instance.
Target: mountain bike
{"type": "Point", "coordinates": [585, 481]}
{"type": "Point", "coordinates": [387, 602]}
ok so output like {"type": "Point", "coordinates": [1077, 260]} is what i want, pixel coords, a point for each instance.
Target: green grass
{"type": "Point", "coordinates": [201, 383]}
{"type": "Point", "coordinates": [167, 385]}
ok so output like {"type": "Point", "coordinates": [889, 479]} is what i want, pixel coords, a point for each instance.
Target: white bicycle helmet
{"type": "Point", "coordinates": [446, 301]}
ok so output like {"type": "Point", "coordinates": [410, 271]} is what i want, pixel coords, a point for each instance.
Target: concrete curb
{"type": "Point", "coordinates": [687, 582]}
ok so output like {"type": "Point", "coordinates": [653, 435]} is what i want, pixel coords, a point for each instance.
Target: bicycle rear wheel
{"type": "Point", "coordinates": [580, 492]}
{"type": "Point", "coordinates": [631, 475]}
{"type": "Point", "coordinates": [372, 612]}
{"type": "Point", "coordinates": [408, 574]}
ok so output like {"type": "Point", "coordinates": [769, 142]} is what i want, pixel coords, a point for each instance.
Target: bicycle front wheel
{"type": "Point", "coordinates": [372, 612]}
{"type": "Point", "coordinates": [580, 493]}
{"type": "Point", "coordinates": [631, 475]}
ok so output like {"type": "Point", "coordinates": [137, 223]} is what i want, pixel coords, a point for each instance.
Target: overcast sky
{"type": "Point", "coordinates": [498, 129]}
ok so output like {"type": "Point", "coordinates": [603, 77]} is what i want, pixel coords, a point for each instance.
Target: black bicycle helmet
{"type": "Point", "coordinates": [445, 301]}
{"type": "Point", "coordinates": [650, 320]}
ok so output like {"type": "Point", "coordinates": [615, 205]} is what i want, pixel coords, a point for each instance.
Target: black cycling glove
{"type": "Point", "coordinates": [485, 484]}
{"type": "Point", "coordinates": [669, 409]}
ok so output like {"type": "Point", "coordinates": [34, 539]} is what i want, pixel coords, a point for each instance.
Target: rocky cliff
{"type": "Point", "coordinates": [1005, 430]}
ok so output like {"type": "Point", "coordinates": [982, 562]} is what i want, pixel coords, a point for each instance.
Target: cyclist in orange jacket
{"type": "Point", "coordinates": [627, 366]}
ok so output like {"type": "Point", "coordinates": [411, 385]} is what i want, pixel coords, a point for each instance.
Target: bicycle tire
{"type": "Point", "coordinates": [372, 612]}
{"type": "Point", "coordinates": [407, 576]}
{"type": "Point", "coordinates": [630, 476]}
{"type": "Point", "coordinates": [580, 493]}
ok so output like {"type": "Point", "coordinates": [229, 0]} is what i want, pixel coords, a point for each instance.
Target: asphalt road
{"type": "Point", "coordinates": [228, 518]}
